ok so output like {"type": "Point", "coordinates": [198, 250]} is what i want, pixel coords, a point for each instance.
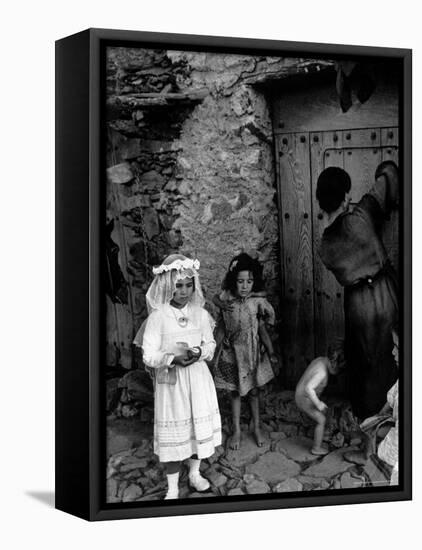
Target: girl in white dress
{"type": "Point", "coordinates": [176, 339]}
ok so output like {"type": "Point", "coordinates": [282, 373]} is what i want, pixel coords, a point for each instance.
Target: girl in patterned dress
{"type": "Point", "coordinates": [241, 366]}
{"type": "Point", "coordinates": [176, 339]}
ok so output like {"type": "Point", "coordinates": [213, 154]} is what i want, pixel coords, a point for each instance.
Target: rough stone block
{"type": "Point", "coordinates": [130, 148]}
{"type": "Point", "coordinates": [139, 463]}
{"type": "Point", "coordinates": [120, 173]}
{"type": "Point", "coordinates": [248, 478]}
{"type": "Point", "coordinates": [112, 487]}
{"type": "Point", "coordinates": [112, 393]}
{"type": "Point", "coordinates": [128, 203]}
{"type": "Point", "coordinates": [123, 435]}
{"type": "Point", "coordinates": [249, 138]}
{"type": "Point", "coordinates": [287, 486]}
{"type": "Point", "coordinates": [184, 188]}
{"type": "Point", "coordinates": [144, 449]}
{"type": "Point", "coordinates": [137, 390]}
{"type": "Point", "coordinates": [349, 482]}
{"type": "Point", "coordinates": [310, 483]}
{"type": "Point", "coordinates": [337, 440]}
{"type": "Point", "coordinates": [248, 452]}
{"type": "Point", "coordinates": [240, 102]}
{"type": "Point", "coordinates": [297, 448]}
{"type": "Point", "coordinates": [157, 146]}
{"type": "Point", "coordinates": [117, 442]}
{"type": "Point", "coordinates": [331, 465]}
{"type": "Point", "coordinates": [257, 487]}
{"type": "Point", "coordinates": [235, 492]}
{"type": "Point", "coordinates": [289, 430]}
{"type": "Point", "coordinates": [274, 467]}
{"type": "Point", "coordinates": [232, 484]}
{"type": "Point", "coordinates": [375, 475]}
{"type": "Point", "coordinates": [276, 436]}
{"type": "Point", "coordinates": [152, 180]}
{"type": "Point", "coordinates": [286, 395]}
{"type": "Point", "coordinates": [217, 480]}
{"type": "Point", "coordinates": [132, 493]}
{"type": "Point", "coordinates": [151, 223]}
{"type": "Point", "coordinates": [122, 487]}
{"type": "Point", "coordinates": [129, 411]}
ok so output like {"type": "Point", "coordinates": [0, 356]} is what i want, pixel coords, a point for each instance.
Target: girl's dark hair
{"type": "Point", "coordinates": [332, 185]}
{"type": "Point", "coordinates": [243, 262]}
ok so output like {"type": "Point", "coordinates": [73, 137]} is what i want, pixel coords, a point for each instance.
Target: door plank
{"type": "Point", "coordinates": [326, 150]}
{"type": "Point", "coordinates": [123, 312]}
{"type": "Point", "coordinates": [295, 205]}
{"type": "Point", "coordinates": [315, 107]}
{"type": "Point", "coordinates": [112, 335]}
{"type": "Point", "coordinates": [362, 155]}
{"type": "Point", "coordinates": [390, 151]}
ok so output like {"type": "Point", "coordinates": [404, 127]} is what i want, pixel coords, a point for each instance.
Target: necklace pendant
{"type": "Point", "coordinates": [182, 321]}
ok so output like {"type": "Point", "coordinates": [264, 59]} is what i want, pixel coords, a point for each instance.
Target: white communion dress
{"type": "Point", "coordinates": [186, 418]}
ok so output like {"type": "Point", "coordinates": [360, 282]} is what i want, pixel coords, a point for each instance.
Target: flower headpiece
{"type": "Point", "coordinates": [178, 265]}
{"type": "Point", "coordinates": [174, 268]}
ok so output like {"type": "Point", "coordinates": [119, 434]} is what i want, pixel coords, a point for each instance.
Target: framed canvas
{"type": "Point", "coordinates": [233, 278]}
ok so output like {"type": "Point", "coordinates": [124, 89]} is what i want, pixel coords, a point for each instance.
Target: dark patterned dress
{"type": "Point", "coordinates": [241, 362]}
{"type": "Point", "coordinates": [352, 249]}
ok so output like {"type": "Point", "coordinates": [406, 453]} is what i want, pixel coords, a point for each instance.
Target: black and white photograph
{"type": "Point", "coordinates": [211, 275]}
{"type": "Point", "coordinates": [253, 274]}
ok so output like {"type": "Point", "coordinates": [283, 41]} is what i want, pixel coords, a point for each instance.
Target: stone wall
{"type": "Point", "coordinates": [226, 160]}
{"type": "Point", "coordinates": [191, 164]}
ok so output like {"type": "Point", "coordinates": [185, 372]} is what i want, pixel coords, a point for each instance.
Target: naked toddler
{"type": "Point", "coordinates": [309, 388]}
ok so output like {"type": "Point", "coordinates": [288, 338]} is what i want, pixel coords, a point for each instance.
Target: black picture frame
{"type": "Point", "coordinates": [80, 463]}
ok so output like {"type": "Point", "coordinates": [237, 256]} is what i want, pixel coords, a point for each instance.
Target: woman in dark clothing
{"type": "Point", "coordinates": [352, 249]}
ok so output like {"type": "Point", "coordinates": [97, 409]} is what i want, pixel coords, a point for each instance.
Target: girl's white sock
{"type": "Point", "coordinates": [173, 486]}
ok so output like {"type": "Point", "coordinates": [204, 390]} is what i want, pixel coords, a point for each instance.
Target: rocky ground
{"type": "Point", "coordinates": [283, 464]}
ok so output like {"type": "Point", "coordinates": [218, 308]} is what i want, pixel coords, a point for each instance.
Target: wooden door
{"type": "Point", "coordinates": [296, 244]}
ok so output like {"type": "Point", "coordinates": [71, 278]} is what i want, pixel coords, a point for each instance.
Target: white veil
{"type": "Point", "coordinates": [162, 288]}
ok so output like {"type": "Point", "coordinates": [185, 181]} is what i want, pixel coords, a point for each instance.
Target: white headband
{"type": "Point", "coordinates": [178, 265]}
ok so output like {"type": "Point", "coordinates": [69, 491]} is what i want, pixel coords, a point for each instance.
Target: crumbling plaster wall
{"type": "Point", "coordinates": [191, 165]}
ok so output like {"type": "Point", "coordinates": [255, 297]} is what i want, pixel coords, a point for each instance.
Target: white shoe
{"type": "Point", "coordinates": [199, 483]}
{"type": "Point", "coordinates": [171, 496]}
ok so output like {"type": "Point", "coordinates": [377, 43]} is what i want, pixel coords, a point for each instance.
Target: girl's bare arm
{"type": "Point", "coordinates": [265, 338]}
